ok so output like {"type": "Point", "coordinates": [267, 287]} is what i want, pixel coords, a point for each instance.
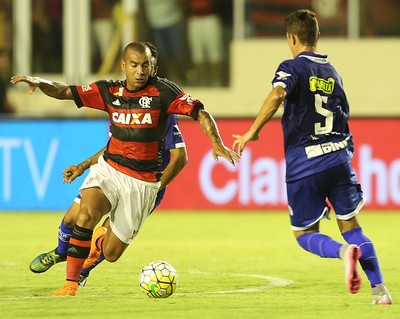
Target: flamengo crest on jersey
{"type": "Point", "coordinates": [145, 101]}
{"type": "Point", "coordinates": [138, 121]}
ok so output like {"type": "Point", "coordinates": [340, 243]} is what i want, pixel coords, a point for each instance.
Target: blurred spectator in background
{"type": "Point", "coordinates": [380, 18]}
{"type": "Point", "coordinates": [377, 17]}
{"type": "Point", "coordinates": [332, 16]}
{"type": "Point", "coordinates": [5, 72]}
{"type": "Point", "coordinates": [224, 9]}
{"type": "Point", "coordinates": [6, 24]}
{"type": "Point", "coordinates": [265, 17]}
{"type": "Point", "coordinates": [166, 25]}
{"type": "Point", "coordinates": [103, 28]}
{"type": "Point", "coordinates": [47, 36]}
{"type": "Point", "coordinates": [205, 37]}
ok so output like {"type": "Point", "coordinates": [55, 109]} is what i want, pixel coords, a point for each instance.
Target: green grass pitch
{"type": "Point", "coordinates": [230, 265]}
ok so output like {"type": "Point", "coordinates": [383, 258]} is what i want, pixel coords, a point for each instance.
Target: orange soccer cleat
{"type": "Point", "coordinates": [94, 250]}
{"type": "Point", "coordinates": [70, 288]}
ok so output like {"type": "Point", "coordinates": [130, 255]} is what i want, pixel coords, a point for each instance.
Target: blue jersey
{"type": "Point", "coordinates": [173, 139]}
{"type": "Point", "coordinates": [316, 111]}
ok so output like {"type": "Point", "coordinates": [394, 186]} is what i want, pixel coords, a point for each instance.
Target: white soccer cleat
{"type": "Point", "coordinates": [381, 296]}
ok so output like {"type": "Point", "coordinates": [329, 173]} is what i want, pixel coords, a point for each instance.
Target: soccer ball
{"type": "Point", "coordinates": [158, 279]}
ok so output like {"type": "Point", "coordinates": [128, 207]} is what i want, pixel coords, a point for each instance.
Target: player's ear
{"type": "Point", "coordinates": [155, 70]}
{"type": "Point", "coordinates": [123, 65]}
{"type": "Point", "coordinates": [289, 37]}
{"type": "Point", "coordinates": [292, 39]}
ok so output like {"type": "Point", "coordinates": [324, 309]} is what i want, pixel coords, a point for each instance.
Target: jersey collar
{"type": "Point", "coordinates": [314, 57]}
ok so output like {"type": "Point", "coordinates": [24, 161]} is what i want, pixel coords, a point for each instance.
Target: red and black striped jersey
{"type": "Point", "coordinates": [138, 121]}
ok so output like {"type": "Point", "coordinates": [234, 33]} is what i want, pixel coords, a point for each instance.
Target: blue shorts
{"type": "Point", "coordinates": [307, 197]}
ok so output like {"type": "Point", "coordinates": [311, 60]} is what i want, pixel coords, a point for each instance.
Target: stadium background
{"type": "Point", "coordinates": [46, 135]}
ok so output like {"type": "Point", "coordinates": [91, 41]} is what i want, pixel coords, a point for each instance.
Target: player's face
{"type": "Point", "coordinates": [138, 68]}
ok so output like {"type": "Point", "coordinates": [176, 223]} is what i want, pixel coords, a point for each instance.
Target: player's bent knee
{"type": "Point", "coordinates": [71, 215]}
{"type": "Point", "coordinates": [69, 222]}
{"type": "Point", "coordinates": [347, 225]}
{"type": "Point", "coordinates": [112, 255]}
{"type": "Point", "coordinates": [87, 220]}
{"type": "Point", "coordinates": [113, 247]}
{"type": "Point", "coordinates": [312, 229]}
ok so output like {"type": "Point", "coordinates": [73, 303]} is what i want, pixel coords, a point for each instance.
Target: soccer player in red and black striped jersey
{"type": "Point", "coordinates": [174, 160]}
{"type": "Point", "coordinates": [126, 179]}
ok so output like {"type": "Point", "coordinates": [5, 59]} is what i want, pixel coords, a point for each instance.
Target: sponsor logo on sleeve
{"type": "Point", "coordinates": [186, 97]}
{"type": "Point", "coordinates": [86, 88]}
{"type": "Point", "coordinates": [282, 75]}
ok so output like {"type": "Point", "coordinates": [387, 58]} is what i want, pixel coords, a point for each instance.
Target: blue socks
{"type": "Point", "coordinates": [64, 234]}
{"type": "Point", "coordinates": [369, 260]}
{"type": "Point", "coordinates": [320, 244]}
{"type": "Point", "coordinates": [86, 271]}
{"type": "Point", "coordinates": [324, 246]}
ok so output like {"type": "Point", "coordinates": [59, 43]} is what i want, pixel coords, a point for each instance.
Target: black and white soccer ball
{"type": "Point", "coordinates": [158, 279]}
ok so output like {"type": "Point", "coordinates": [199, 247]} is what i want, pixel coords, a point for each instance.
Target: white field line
{"type": "Point", "coordinates": [272, 282]}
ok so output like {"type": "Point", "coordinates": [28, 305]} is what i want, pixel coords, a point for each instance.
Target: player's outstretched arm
{"type": "Point", "coordinates": [210, 128]}
{"type": "Point", "coordinates": [57, 90]}
{"type": "Point", "coordinates": [267, 111]}
{"type": "Point", "coordinates": [73, 171]}
{"type": "Point", "coordinates": [179, 159]}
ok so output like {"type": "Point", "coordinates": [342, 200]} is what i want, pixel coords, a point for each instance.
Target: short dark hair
{"type": "Point", "coordinates": [304, 24]}
{"type": "Point", "coordinates": [153, 49]}
{"type": "Point", "coordinates": [137, 46]}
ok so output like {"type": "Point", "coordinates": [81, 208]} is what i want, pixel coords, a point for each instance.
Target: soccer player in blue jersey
{"type": "Point", "coordinates": [318, 149]}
